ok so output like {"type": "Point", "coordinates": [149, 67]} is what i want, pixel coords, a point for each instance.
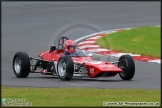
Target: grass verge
{"type": "Point", "coordinates": [143, 40]}
{"type": "Point", "coordinates": [79, 96]}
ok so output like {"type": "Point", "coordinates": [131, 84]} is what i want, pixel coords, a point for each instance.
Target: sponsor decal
{"type": "Point", "coordinates": [106, 66]}
{"type": "Point", "coordinates": [91, 70]}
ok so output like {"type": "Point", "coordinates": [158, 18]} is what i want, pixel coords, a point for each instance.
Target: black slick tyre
{"type": "Point", "coordinates": [21, 64]}
{"type": "Point", "coordinates": [128, 66]}
{"type": "Point", "coordinates": [65, 68]}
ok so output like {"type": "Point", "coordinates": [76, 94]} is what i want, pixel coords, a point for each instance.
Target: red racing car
{"type": "Point", "coordinates": [55, 62]}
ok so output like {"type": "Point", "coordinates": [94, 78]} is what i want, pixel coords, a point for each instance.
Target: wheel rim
{"type": "Point", "coordinates": [122, 65]}
{"type": "Point", "coordinates": [62, 67]}
{"type": "Point", "coordinates": [17, 64]}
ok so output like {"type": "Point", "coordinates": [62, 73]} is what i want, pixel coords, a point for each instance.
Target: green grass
{"type": "Point", "coordinates": [79, 96]}
{"type": "Point", "coordinates": [143, 40]}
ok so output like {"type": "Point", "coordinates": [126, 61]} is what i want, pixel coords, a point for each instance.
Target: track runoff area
{"type": "Point", "coordinates": [88, 43]}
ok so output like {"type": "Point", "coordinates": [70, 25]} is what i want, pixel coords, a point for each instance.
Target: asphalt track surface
{"type": "Point", "coordinates": [34, 26]}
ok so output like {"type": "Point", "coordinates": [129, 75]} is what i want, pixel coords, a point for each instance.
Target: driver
{"type": "Point", "coordinates": [69, 47]}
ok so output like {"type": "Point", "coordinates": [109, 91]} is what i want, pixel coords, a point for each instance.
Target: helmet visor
{"type": "Point", "coordinates": [71, 47]}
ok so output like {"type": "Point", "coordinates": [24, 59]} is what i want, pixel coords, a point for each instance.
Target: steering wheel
{"type": "Point", "coordinates": [62, 43]}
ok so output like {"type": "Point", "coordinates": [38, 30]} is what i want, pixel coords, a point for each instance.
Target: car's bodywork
{"type": "Point", "coordinates": [83, 65]}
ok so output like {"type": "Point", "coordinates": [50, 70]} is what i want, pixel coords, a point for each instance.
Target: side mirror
{"type": "Point", "coordinates": [52, 48]}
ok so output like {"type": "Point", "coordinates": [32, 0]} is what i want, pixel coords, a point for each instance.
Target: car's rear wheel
{"type": "Point", "coordinates": [65, 68]}
{"type": "Point", "coordinates": [21, 64]}
{"type": "Point", "coordinates": [128, 66]}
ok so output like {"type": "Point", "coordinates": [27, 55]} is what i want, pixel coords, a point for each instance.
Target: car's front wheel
{"type": "Point", "coordinates": [65, 68]}
{"type": "Point", "coordinates": [126, 63]}
{"type": "Point", "coordinates": [21, 64]}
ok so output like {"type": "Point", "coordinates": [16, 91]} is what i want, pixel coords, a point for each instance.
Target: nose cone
{"type": "Point", "coordinates": [104, 66]}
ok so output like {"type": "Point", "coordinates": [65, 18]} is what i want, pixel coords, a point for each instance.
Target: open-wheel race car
{"type": "Point", "coordinates": [55, 62]}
